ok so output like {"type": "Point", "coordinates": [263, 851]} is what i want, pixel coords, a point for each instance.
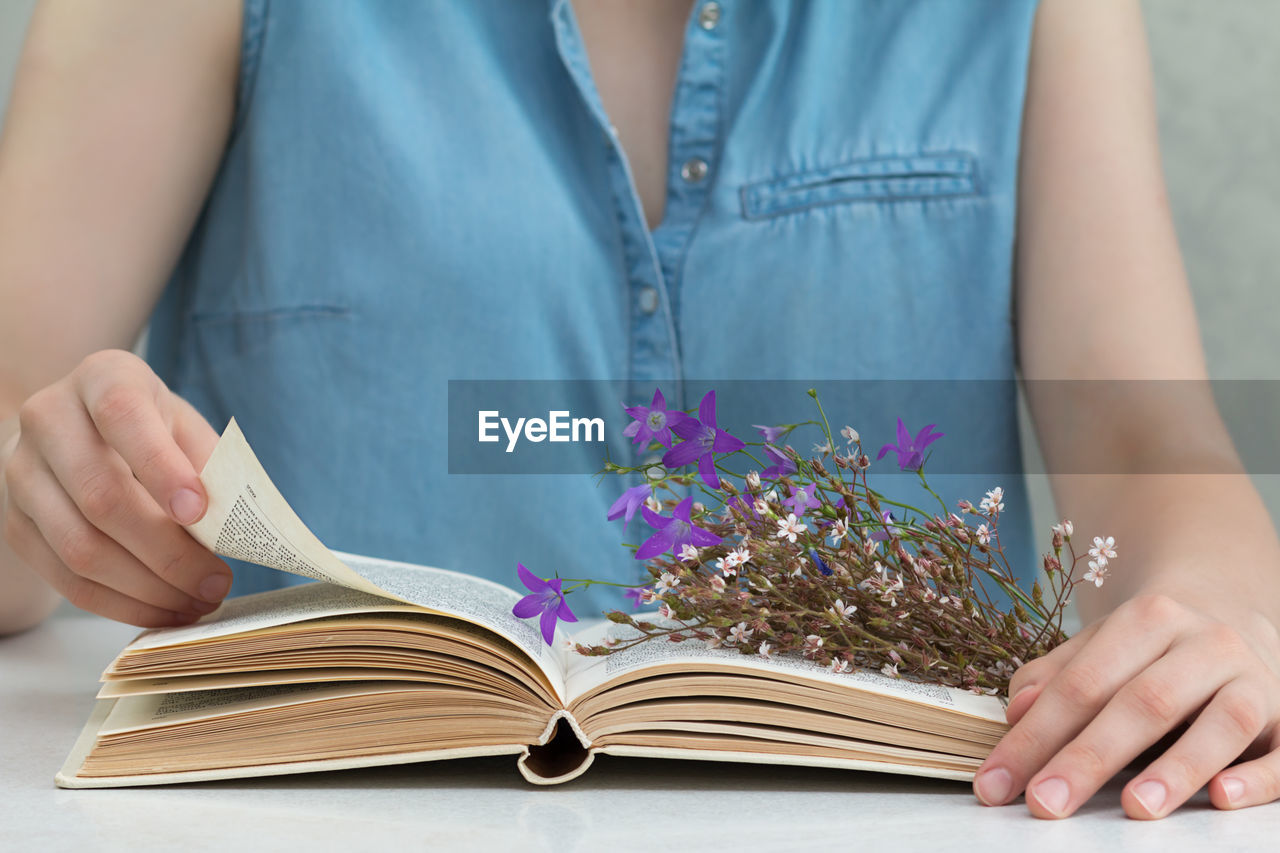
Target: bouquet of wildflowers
{"type": "Point", "coordinates": [800, 556]}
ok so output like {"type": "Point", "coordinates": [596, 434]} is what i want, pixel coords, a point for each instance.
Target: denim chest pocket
{"type": "Point", "coordinates": [920, 177]}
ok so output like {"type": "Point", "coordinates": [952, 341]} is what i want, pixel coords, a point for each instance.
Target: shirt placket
{"type": "Point", "coordinates": [653, 261]}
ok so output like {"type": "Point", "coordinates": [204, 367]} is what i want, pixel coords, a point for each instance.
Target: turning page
{"type": "Point", "coordinates": [248, 519]}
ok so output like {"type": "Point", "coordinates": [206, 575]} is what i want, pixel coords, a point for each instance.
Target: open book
{"type": "Point", "coordinates": [388, 663]}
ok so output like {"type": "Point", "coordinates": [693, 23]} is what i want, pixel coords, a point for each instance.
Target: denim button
{"type": "Point", "coordinates": [709, 15]}
{"type": "Point", "coordinates": [694, 170]}
{"type": "Point", "coordinates": [648, 300]}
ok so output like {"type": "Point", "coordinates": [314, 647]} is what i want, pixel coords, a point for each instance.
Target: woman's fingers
{"type": "Point", "coordinates": [1137, 716]}
{"type": "Point", "coordinates": [1030, 679]}
{"type": "Point", "coordinates": [1144, 627]}
{"type": "Point", "coordinates": [25, 538]}
{"type": "Point", "coordinates": [1250, 783]}
{"type": "Point", "coordinates": [101, 485]}
{"type": "Point", "coordinates": [127, 405]}
{"type": "Point", "coordinates": [89, 553]}
{"type": "Point", "coordinates": [1227, 726]}
{"type": "Point", "coordinates": [192, 432]}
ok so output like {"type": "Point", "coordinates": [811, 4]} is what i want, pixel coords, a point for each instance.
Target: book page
{"type": "Point", "coordinates": [248, 519]}
{"type": "Point", "coordinates": [161, 709]}
{"type": "Point", "coordinates": [267, 609]}
{"type": "Point", "coordinates": [584, 674]}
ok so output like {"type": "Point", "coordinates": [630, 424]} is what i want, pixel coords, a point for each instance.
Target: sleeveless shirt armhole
{"type": "Point", "coordinates": [252, 31]}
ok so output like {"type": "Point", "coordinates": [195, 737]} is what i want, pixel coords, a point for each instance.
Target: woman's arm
{"type": "Point", "coordinates": [1186, 624]}
{"type": "Point", "coordinates": [119, 114]}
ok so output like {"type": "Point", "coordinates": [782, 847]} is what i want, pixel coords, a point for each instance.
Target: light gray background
{"type": "Point", "coordinates": [1217, 67]}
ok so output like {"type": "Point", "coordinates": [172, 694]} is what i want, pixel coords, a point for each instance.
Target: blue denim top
{"type": "Point", "coordinates": [419, 192]}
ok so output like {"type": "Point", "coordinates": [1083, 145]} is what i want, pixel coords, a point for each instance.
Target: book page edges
{"type": "Point", "coordinates": [554, 737]}
{"type": "Point", "coordinates": [776, 760]}
{"type": "Point", "coordinates": [67, 778]}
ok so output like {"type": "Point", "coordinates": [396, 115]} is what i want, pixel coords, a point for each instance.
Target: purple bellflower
{"type": "Point", "coordinates": [674, 532]}
{"type": "Point", "coordinates": [637, 595]}
{"type": "Point", "coordinates": [911, 450]}
{"type": "Point", "coordinates": [802, 499]}
{"type": "Point", "coordinates": [632, 499]}
{"type": "Point", "coordinates": [702, 440]}
{"type": "Point", "coordinates": [782, 464]}
{"type": "Point", "coordinates": [771, 434]}
{"type": "Point", "coordinates": [653, 422]}
{"type": "Point", "coordinates": [545, 598]}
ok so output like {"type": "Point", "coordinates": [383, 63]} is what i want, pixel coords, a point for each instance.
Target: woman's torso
{"type": "Point", "coordinates": [416, 193]}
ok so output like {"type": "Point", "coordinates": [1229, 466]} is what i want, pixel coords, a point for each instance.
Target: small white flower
{"type": "Point", "coordinates": [984, 534]}
{"type": "Point", "coordinates": [840, 665]}
{"type": "Point", "coordinates": [992, 503]}
{"type": "Point", "coordinates": [823, 448]}
{"type": "Point", "coordinates": [850, 435]}
{"type": "Point", "coordinates": [890, 669]}
{"type": "Point", "coordinates": [666, 583]}
{"type": "Point", "coordinates": [812, 645]}
{"type": "Point", "coordinates": [717, 583]}
{"type": "Point", "coordinates": [665, 611]}
{"type": "Point", "coordinates": [1097, 572]}
{"type": "Point", "coordinates": [771, 496]}
{"type": "Point", "coordinates": [688, 553]}
{"type": "Point", "coordinates": [1066, 528]}
{"type": "Point", "coordinates": [715, 641]}
{"type": "Point", "coordinates": [788, 527]}
{"type": "Point", "coordinates": [653, 503]}
{"type": "Point", "coordinates": [761, 506]}
{"type": "Point", "coordinates": [698, 507]}
{"type": "Point", "coordinates": [648, 596]}
{"type": "Point", "coordinates": [753, 480]}
{"type": "Point", "coordinates": [730, 563]}
{"type": "Point", "coordinates": [1103, 549]}
{"type": "Point", "coordinates": [842, 611]}
{"type": "Point", "coordinates": [740, 633]}
{"type": "Point", "coordinates": [1000, 669]}
{"type": "Point", "coordinates": [870, 546]}
{"type": "Point", "coordinates": [838, 531]}
{"type": "Point", "coordinates": [766, 649]}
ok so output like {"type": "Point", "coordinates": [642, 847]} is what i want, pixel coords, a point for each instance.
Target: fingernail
{"type": "Point", "coordinates": [214, 588]}
{"type": "Point", "coordinates": [1151, 794]}
{"type": "Point", "coordinates": [203, 607]}
{"type": "Point", "coordinates": [186, 506]}
{"type": "Point", "coordinates": [1233, 788]}
{"type": "Point", "coordinates": [993, 786]}
{"type": "Point", "coordinates": [1053, 794]}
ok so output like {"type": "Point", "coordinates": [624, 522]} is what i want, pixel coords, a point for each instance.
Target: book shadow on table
{"type": "Point", "coordinates": [609, 773]}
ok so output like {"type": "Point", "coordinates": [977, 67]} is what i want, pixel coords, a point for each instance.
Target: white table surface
{"type": "Point", "coordinates": [48, 677]}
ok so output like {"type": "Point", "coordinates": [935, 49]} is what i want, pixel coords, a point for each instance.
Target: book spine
{"type": "Point", "coordinates": [563, 752]}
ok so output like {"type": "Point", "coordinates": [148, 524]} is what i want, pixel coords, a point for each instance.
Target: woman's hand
{"type": "Point", "coordinates": [1092, 705]}
{"type": "Point", "coordinates": [100, 481]}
